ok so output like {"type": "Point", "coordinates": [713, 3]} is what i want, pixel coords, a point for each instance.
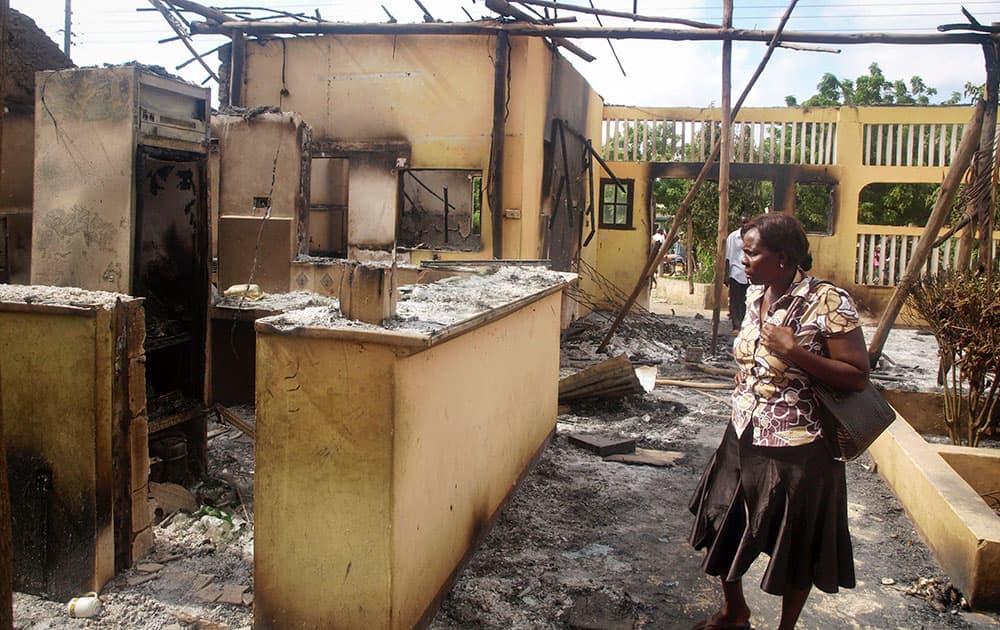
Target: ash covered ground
{"type": "Point", "coordinates": [582, 541]}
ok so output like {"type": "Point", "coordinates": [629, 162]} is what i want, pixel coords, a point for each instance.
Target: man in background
{"type": "Point", "coordinates": [736, 275]}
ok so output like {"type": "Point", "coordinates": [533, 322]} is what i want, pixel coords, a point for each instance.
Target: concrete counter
{"type": "Point", "coordinates": [384, 453]}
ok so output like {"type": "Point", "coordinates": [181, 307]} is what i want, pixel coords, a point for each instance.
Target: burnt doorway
{"type": "Point", "coordinates": [328, 185]}
{"type": "Point", "coordinates": [170, 271]}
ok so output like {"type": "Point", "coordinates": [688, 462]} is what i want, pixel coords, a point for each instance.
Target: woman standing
{"type": "Point", "coordinates": [772, 486]}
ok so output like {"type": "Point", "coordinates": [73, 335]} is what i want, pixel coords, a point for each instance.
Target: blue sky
{"type": "Point", "coordinates": [657, 73]}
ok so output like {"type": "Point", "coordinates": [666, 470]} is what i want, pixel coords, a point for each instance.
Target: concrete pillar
{"type": "Point", "coordinates": [368, 293]}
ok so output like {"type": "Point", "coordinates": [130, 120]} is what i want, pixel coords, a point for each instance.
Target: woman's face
{"type": "Point", "coordinates": [762, 265]}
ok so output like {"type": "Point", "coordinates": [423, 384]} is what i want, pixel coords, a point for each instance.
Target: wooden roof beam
{"type": "Point", "coordinates": [581, 32]}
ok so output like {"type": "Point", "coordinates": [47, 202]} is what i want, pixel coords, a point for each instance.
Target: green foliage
{"type": "Point", "coordinates": [963, 311]}
{"type": "Point", "coordinates": [871, 89]}
{"type": "Point", "coordinates": [813, 207]}
{"type": "Point", "coordinates": [746, 196]}
{"type": "Point", "coordinates": [477, 204]}
{"type": "Point", "coordinates": [896, 204]}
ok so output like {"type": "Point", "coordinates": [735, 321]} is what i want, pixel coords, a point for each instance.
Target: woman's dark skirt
{"type": "Point", "coordinates": [788, 502]}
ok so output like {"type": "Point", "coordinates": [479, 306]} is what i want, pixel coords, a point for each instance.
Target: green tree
{"type": "Point", "coordinates": [869, 89]}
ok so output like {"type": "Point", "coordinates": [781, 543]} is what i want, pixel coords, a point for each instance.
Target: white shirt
{"type": "Point", "coordinates": [734, 254]}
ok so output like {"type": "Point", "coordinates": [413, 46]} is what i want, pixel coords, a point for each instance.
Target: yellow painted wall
{"type": "Point", "coordinates": [83, 191]}
{"type": "Point", "coordinates": [434, 92]}
{"type": "Point", "coordinates": [470, 415]}
{"type": "Point", "coordinates": [323, 484]}
{"type": "Point", "coordinates": [253, 152]}
{"type": "Point", "coordinates": [57, 384]}
{"type": "Point", "coordinates": [620, 255]}
{"type": "Point", "coordinates": [952, 518]}
{"type": "Point", "coordinates": [375, 471]}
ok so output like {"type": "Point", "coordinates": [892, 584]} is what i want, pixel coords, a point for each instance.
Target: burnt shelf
{"type": "Point", "coordinates": [167, 341]}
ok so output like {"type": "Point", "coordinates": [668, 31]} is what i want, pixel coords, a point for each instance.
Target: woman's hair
{"type": "Point", "coordinates": [783, 234]}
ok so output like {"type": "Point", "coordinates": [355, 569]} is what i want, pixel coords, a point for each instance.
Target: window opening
{"type": "Point", "coordinates": [814, 207]}
{"type": "Point", "coordinates": [441, 209]}
{"type": "Point", "coordinates": [900, 204]}
{"type": "Point", "coordinates": [616, 204]}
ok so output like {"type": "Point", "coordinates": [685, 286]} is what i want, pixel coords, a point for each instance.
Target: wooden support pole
{"type": "Point", "coordinates": [725, 155]}
{"type": "Point", "coordinates": [496, 151]}
{"type": "Point", "coordinates": [689, 198]}
{"type": "Point", "coordinates": [952, 180]}
{"type": "Point", "coordinates": [689, 253]}
{"type": "Point", "coordinates": [985, 160]}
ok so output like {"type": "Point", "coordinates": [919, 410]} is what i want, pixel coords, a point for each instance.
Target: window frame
{"type": "Point", "coordinates": [629, 199]}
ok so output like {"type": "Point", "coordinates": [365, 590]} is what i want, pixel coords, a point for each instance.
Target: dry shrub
{"type": "Point", "coordinates": [963, 311]}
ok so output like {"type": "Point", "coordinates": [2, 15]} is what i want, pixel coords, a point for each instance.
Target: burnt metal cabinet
{"type": "Point", "coordinates": [121, 163]}
{"type": "Point", "coordinates": [121, 205]}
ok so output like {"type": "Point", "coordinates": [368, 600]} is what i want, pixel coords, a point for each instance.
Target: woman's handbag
{"type": "Point", "coordinates": [852, 420]}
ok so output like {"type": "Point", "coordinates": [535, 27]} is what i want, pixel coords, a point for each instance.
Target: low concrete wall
{"type": "Point", "coordinates": [958, 526]}
{"type": "Point", "coordinates": [382, 457]}
{"type": "Point", "coordinates": [74, 413]}
{"type": "Point", "coordinates": [676, 292]}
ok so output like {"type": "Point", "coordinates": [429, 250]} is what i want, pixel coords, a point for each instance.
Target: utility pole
{"type": "Point", "coordinates": [67, 28]}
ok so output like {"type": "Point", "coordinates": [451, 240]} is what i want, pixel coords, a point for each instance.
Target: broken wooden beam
{"type": "Point", "coordinates": [227, 416]}
{"type": "Point", "coordinates": [710, 369]}
{"type": "Point", "coordinates": [505, 8]}
{"type": "Point", "coordinates": [695, 384]}
{"type": "Point", "coordinates": [613, 377]}
{"type": "Point", "coordinates": [647, 457]}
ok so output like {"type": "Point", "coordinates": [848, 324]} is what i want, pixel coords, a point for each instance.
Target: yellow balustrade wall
{"type": "Point", "coordinates": [380, 458]}
{"type": "Point", "coordinates": [850, 147]}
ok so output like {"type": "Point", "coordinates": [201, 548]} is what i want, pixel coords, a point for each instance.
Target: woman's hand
{"type": "Point", "coordinates": [846, 369]}
{"type": "Point", "coordinates": [778, 339]}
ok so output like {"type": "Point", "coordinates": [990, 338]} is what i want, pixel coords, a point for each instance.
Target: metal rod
{"type": "Point", "coordinates": [172, 21]}
{"type": "Point", "coordinates": [67, 27]}
{"type": "Point", "coordinates": [446, 215]}
{"type": "Point", "coordinates": [610, 45]}
{"type": "Point", "coordinates": [569, 185]}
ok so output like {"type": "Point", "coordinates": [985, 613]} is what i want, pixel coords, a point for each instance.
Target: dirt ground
{"type": "Point", "coordinates": [582, 543]}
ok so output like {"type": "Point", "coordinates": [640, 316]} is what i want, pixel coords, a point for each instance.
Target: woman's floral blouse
{"type": "Point", "coordinates": [773, 396]}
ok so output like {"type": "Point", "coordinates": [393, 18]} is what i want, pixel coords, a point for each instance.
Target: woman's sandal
{"type": "Point", "coordinates": [716, 623]}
